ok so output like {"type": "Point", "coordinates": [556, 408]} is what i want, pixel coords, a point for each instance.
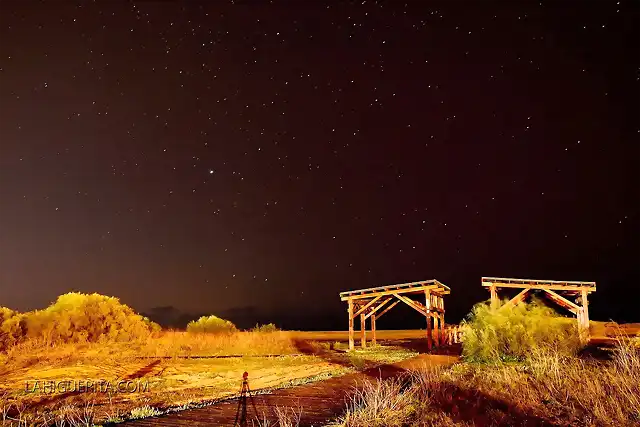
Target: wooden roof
{"type": "Point", "coordinates": [403, 288]}
{"type": "Point", "coordinates": [504, 282]}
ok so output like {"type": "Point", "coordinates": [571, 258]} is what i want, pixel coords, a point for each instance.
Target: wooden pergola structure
{"type": "Point", "coordinates": [368, 303]}
{"type": "Point", "coordinates": [558, 291]}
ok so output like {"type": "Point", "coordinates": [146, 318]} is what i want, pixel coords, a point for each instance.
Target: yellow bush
{"type": "Point", "coordinates": [211, 324]}
{"type": "Point", "coordinates": [75, 317]}
{"type": "Point", "coordinates": [517, 332]}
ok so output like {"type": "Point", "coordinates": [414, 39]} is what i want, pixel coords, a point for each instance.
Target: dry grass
{"type": "Point", "coordinates": [175, 367]}
{"type": "Point", "coordinates": [546, 388]}
{"type": "Point", "coordinates": [161, 345]}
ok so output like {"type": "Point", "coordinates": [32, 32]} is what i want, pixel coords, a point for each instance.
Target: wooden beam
{"type": "Point", "coordinates": [378, 307]}
{"type": "Point", "coordinates": [526, 281]}
{"type": "Point", "coordinates": [363, 308]}
{"type": "Point", "coordinates": [518, 298]}
{"type": "Point", "coordinates": [494, 296]}
{"type": "Point", "coordinates": [350, 310]}
{"type": "Point", "coordinates": [396, 291]}
{"type": "Point", "coordinates": [401, 286]}
{"type": "Point", "coordinates": [571, 306]}
{"type": "Point", "coordinates": [411, 304]}
{"type": "Point", "coordinates": [583, 323]}
{"type": "Point", "coordinates": [436, 331]}
{"type": "Point", "coordinates": [363, 331]}
{"type": "Point", "coordinates": [427, 314]}
{"type": "Point", "coordinates": [373, 328]}
{"type": "Point", "coordinates": [536, 286]}
{"type": "Point", "coordinates": [393, 304]}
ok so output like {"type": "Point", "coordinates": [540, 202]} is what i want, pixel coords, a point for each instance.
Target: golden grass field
{"type": "Point", "coordinates": [179, 369]}
{"type": "Point", "coordinates": [174, 369]}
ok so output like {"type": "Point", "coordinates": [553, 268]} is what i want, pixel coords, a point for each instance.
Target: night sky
{"type": "Point", "coordinates": [260, 157]}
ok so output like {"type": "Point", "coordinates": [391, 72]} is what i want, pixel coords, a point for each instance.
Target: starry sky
{"type": "Point", "coordinates": [242, 155]}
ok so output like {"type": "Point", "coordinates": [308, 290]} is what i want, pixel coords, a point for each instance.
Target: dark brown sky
{"type": "Point", "coordinates": [271, 154]}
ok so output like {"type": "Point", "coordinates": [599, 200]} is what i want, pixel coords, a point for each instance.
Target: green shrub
{"type": "Point", "coordinates": [269, 327]}
{"type": "Point", "coordinates": [211, 324]}
{"type": "Point", "coordinates": [517, 332]}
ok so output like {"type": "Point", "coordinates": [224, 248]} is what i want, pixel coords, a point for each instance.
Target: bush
{"type": "Point", "coordinates": [269, 327]}
{"type": "Point", "coordinates": [75, 317]}
{"type": "Point", "coordinates": [517, 332]}
{"type": "Point", "coordinates": [211, 324]}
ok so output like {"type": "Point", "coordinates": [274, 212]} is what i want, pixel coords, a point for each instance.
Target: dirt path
{"type": "Point", "coordinates": [319, 401]}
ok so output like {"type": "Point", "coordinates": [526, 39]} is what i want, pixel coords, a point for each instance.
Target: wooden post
{"type": "Point", "coordinates": [363, 331]}
{"type": "Point", "coordinates": [442, 324]}
{"type": "Point", "coordinates": [436, 329]}
{"type": "Point", "coordinates": [584, 313]}
{"type": "Point", "coordinates": [373, 329]}
{"type": "Point", "coordinates": [351, 343]}
{"type": "Point", "coordinates": [494, 296]}
{"type": "Point", "coordinates": [427, 305]}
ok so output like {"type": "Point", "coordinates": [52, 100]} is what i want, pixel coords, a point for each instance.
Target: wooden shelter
{"type": "Point", "coordinates": [559, 292]}
{"type": "Point", "coordinates": [369, 303]}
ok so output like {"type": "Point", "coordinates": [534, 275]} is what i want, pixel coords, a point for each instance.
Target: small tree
{"type": "Point", "coordinates": [211, 324]}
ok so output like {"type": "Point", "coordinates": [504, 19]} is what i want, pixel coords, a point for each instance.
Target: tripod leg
{"type": "Point", "coordinates": [252, 401]}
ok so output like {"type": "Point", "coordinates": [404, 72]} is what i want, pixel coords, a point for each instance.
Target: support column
{"type": "Point", "coordinates": [363, 331]}
{"type": "Point", "coordinates": [494, 296]}
{"type": "Point", "coordinates": [584, 313]}
{"type": "Point", "coordinates": [373, 329]}
{"type": "Point", "coordinates": [350, 309]}
{"type": "Point", "coordinates": [427, 305]}
{"type": "Point", "coordinates": [436, 329]}
{"type": "Point", "coordinates": [442, 324]}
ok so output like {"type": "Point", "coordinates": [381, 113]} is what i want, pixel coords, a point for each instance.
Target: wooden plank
{"type": "Point", "coordinates": [518, 298]}
{"type": "Point", "coordinates": [509, 279]}
{"type": "Point", "coordinates": [394, 292]}
{"type": "Point", "coordinates": [487, 281]}
{"type": "Point", "coordinates": [369, 304]}
{"type": "Point", "coordinates": [543, 287]}
{"type": "Point", "coordinates": [411, 304]}
{"type": "Point", "coordinates": [378, 307]}
{"type": "Point", "coordinates": [571, 306]}
{"type": "Point", "coordinates": [363, 331]}
{"type": "Point", "coordinates": [436, 331]}
{"type": "Point", "coordinates": [387, 287]}
{"type": "Point", "coordinates": [393, 304]}
{"type": "Point", "coordinates": [351, 340]}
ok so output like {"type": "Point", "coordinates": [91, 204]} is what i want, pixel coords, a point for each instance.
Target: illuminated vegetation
{"type": "Point", "coordinates": [519, 381]}
{"type": "Point", "coordinates": [75, 318]}
{"type": "Point", "coordinates": [211, 324]}
{"type": "Point", "coordinates": [517, 332]}
{"type": "Point", "coordinates": [96, 337]}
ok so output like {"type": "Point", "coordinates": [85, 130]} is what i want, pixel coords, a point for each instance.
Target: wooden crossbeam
{"type": "Point", "coordinates": [571, 306]}
{"type": "Point", "coordinates": [518, 298]}
{"type": "Point", "coordinates": [378, 307]}
{"type": "Point", "coordinates": [497, 280]}
{"type": "Point", "coordinates": [403, 286]}
{"type": "Point", "coordinates": [364, 307]}
{"type": "Point", "coordinates": [419, 289]}
{"type": "Point", "coordinates": [553, 287]}
{"type": "Point", "coordinates": [393, 304]}
{"type": "Point", "coordinates": [411, 303]}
